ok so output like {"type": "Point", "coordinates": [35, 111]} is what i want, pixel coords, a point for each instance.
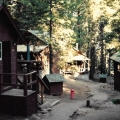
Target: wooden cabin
{"type": "Point", "coordinates": [9, 35]}
{"type": "Point", "coordinates": [75, 61]}
{"type": "Point", "coordinates": [13, 100]}
{"type": "Point", "coordinates": [39, 52]}
{"type": "Point", "coordinates": [116, 60]}
{"type": "Point", "coordinates": [54, 83]}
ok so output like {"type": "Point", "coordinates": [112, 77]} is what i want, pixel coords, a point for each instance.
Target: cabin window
{"type": "Point", "coordinates": [0, 50]}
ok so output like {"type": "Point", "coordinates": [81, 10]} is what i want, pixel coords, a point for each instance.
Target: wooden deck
{"type": "Point", "coordinates": [20, 102]}
{"type": "Point", "coordinates": [13, 102]}
{"type": "Point", "coordinates": [17, 92]}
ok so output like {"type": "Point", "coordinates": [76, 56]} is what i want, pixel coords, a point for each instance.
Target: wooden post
{"type": "Point", "coordinates": [37, 67]}
{"type": "Point", "coordinates": [37, 85]}
{"type": "Point", "coordinates": [33, 78]}
{"type": "Point", "coordinates": [88, 103]}
{"type": "Point", "coordinates": [28, 71]}
{"type": "Point", "coordinates": [42, 91]}
{"type": "Point", "coordinates": [28, 50]}
{"type": "Point", "coordinates": [25, 85]}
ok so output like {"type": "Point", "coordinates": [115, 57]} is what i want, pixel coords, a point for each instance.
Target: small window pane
{"type": "Point", "coordinates": [0, 54]}
{"type": "Point", "coordinates": [0, 46]}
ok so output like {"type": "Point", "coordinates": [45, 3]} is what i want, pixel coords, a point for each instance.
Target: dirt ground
{"type": "Point", "coordinates": [100, 95]}
{"type": "Point", "coordinates": [80, 89]}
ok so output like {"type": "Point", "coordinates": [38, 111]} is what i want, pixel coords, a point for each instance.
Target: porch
{"type": "Point", "coordinates": [16, 101]}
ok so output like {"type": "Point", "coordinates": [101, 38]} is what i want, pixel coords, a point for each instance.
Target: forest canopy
{"type": "Point", "coordinates": [67, 22]}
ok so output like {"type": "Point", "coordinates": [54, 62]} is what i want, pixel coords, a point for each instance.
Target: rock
{"type": "Point", "coordinates": [34, 117]}
{"type": "Point", "coordinates": [26, 119]}
{"type": "Point", "coordinates": [44, 111]}
{"type": "Point", "coordinates": [90, 94]}
{"type": "Point", "coordinates": [57, 101]}
{"type": "Point", "coordinates": [49, 109]}
{"type": "Point", "coordinates": [45, 105]}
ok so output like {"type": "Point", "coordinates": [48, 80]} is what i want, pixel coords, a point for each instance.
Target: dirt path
{"type": "Point", "coordinates": [80, 88]}
{"type": "Point", "coordinates": [101, 107]}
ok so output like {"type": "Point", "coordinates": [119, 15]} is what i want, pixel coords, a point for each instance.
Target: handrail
{"type": "Point", "coordinates": [31, 83]}
{"type": "Point", "coordinates": [18, 74]}
{"type": "Point", "coordinates": [8, 84]}
{"type": "Point", "coordinates": [25, 84]}
{"type": "Point", "coordinates": [28, 84]}
{"type": "Point", "coordinates": [42, 82]}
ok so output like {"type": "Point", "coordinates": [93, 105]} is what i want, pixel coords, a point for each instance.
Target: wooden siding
{"type": "Point", "coordinates": [1, 66]}
{"type": "Point", "coordinates": [18, 105]}
{"type": "Point", "coordinates": [13, 63]}
{"type": "Point", "coordinates": [8, 35]}
{"type": "Point", "coordinates": [6, 61]}
{"type": "Point", "coordinates": [116, 77]}
{"type": "Point", "coordinates": [56, 88]}
{"type": "Point", "coordinates": [8, 30]}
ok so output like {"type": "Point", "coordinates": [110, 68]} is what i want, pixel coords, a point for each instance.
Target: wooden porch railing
{"type": "Point", "coordinates": [43, 85]}
{"type": "Point", "coordinates": [25, 84]}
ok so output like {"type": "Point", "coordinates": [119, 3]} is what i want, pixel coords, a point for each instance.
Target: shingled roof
{"type": "Point", "coordinates": [116, 57]}
{"type": "Point", "coordinates": [54, 78]}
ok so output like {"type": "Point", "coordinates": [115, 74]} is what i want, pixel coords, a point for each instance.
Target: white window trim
{"type": "Point", "coordinates": [1, 50]}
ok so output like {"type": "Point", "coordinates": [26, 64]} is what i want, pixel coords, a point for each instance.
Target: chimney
{"type": "Point", "coordinates": [77, 46]}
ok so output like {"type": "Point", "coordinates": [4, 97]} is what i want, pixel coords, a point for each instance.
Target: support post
{"type": "Point", "coordinates": [25, 85]}
{"type": "Point", "coordinates": [28, 52]}
{"type": "Point", "coordinates": [42, 93]}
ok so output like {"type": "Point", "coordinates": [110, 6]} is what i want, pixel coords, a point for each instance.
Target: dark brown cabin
{"type": "Point", "coordinates": [13, 100]}
{"type": "Point", "coordinates": [9, 35]}
{"type": "Point", "coordinates": [116, 60]}
{"type": "Point", "coordinates": [54, 83]}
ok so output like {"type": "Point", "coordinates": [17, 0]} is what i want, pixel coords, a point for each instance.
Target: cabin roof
{"type": "Point", "coordinates": [33, 36]}
{"type": "Point", "coordinates": [72, 54]}
{"type": "Point", "coordinates": [116, 57]}
{"type": "Point", "coordinates": [55, 78]}
{"type": "Point", "coordinates": [38, 35]}
{"type": "Point", "coordinates": [80, 58]}
{"type": "Point", "coordinates": [4, 10]}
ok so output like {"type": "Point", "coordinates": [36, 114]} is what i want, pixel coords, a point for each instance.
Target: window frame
{"type": "Point", "coordinates": [1, 50]}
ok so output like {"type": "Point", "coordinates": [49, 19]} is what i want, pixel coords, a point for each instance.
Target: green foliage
{"type": "Point", "coordinates": [28, 13]}
{"type": "Point", "coordinates": [80, 28]}
{"type": "Point", "coordinates": [69, 21]}
{"type": "Point", "coordinates": [61, 64]}
{"type": "Point", "coordinates": [109, 36]}
{"type": "Point", "coordinates": [114, 20]}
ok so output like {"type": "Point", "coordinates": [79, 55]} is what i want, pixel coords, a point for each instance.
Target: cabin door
{"type": "Point", "coordinates": [6, 58]}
